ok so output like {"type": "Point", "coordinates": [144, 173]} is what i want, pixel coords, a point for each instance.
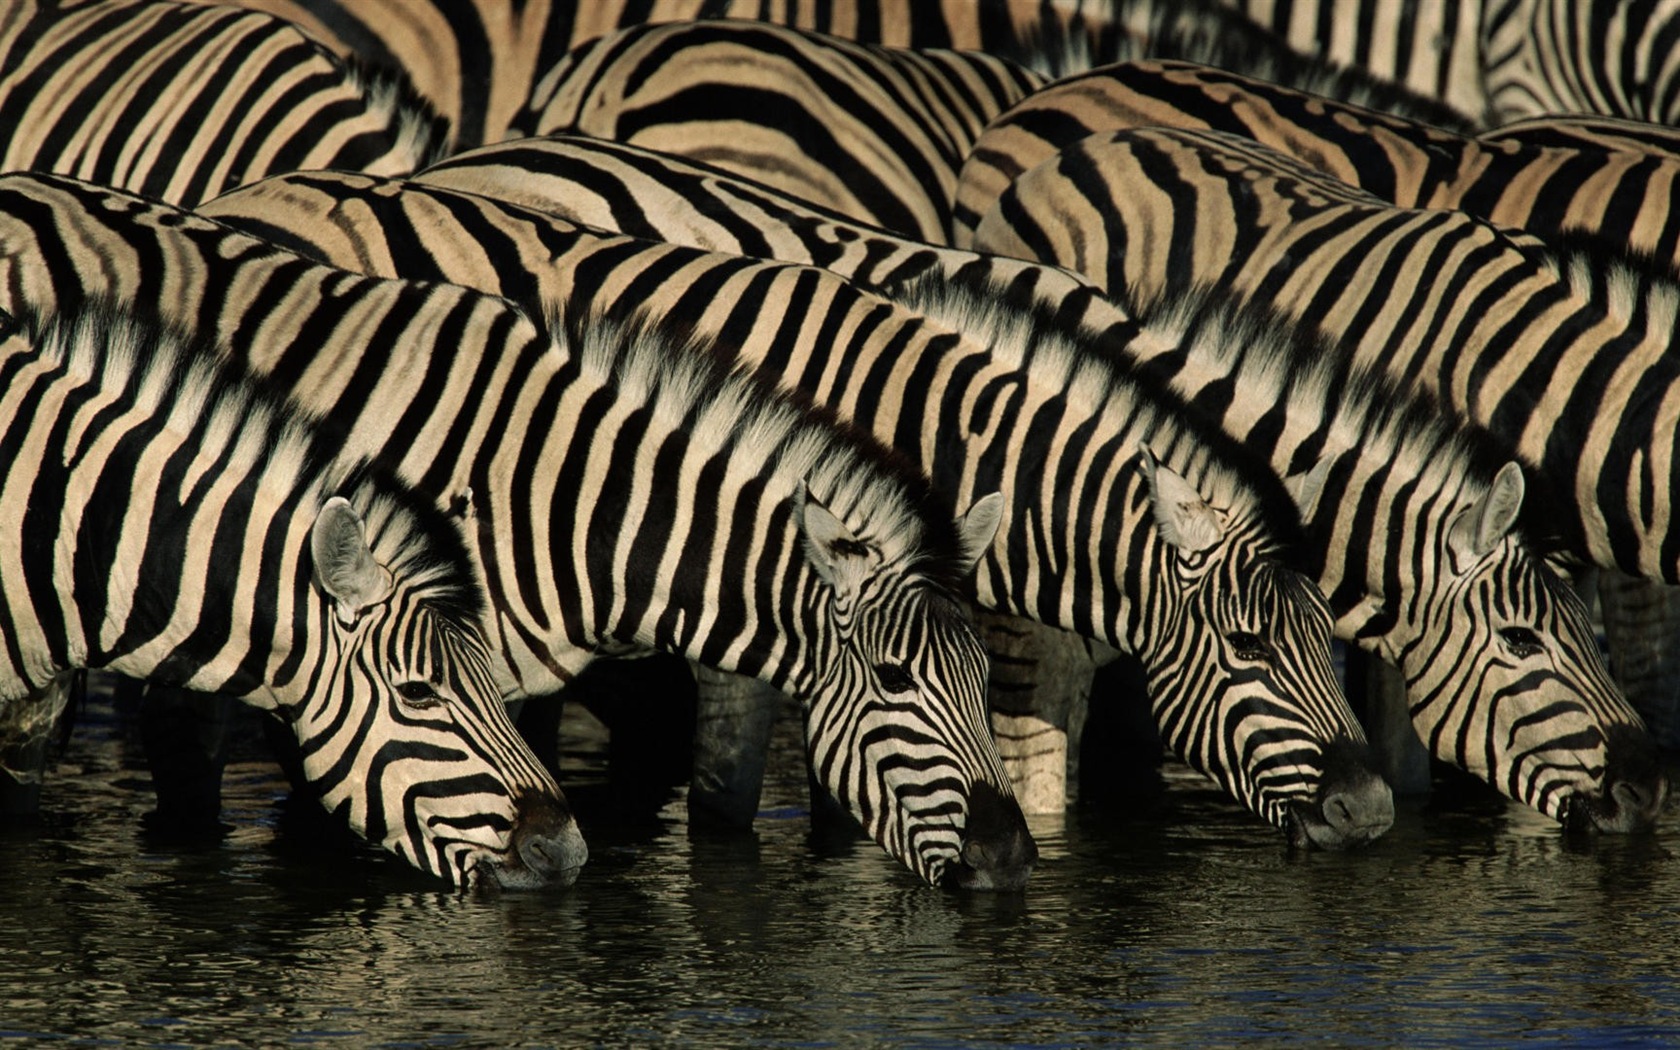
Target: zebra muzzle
{"type": "Point", "coordinates": [545, 848]}
{"type": "Point", "coordinates": [998, 852]}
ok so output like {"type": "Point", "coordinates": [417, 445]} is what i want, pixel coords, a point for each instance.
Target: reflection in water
{"type": "Point", "coordinates": [1471, 922]}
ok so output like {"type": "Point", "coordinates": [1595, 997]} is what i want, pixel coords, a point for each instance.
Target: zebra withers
{"type": "Point", "coordinates": [1290, 250]}
{"type": "Point", "coordinates": [170, 520]}
{"type": "Point", "coordinates": [1178, 559]}
{"type": "Point", "coordinates": [181, 102]}
{"type": "Point", "coordinates": [768, 540]}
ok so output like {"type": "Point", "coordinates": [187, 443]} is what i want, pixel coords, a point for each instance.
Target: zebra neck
{"type": "Point", "coordinates": [1083, 557]}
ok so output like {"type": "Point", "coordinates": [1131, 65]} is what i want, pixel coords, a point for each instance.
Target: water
{"type": "Point", "coordinates": [1471, 923]}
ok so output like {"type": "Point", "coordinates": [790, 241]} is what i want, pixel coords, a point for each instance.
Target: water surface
{"type": "Point", "coordinates": [1473, 922]}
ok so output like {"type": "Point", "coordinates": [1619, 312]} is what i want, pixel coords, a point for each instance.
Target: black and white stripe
{"type": "Point", "coordinates": [169, 521]}
{"type": "Point", "coordinates": [1548, 177]}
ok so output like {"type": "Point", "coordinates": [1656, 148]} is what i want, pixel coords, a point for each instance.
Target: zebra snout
{"type": "Point", "coordinates": [546, 846]}
{"type": "Point", "coordinates": [998, 852]}
{"type": "Point", "coordinates": [1635, 787]}
{"type": "Point", "coordinates": [1354, 803]}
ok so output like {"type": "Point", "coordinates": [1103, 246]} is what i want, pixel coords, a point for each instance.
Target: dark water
{"type": "Point", "coordinates": [1472, 923]}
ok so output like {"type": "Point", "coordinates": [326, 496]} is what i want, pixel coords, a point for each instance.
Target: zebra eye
{"type": "Point", "coordinates": [1521, 641]}
{"type": "Point", "coordinates": [419, 694]}
{"type": "Point", "coordinates": [895, 678]}
{"type": "Point", "coordinates": [1249, 646]}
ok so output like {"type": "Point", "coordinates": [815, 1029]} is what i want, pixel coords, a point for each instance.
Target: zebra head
{"type": "Point", "coordinates": [896, 721]}
{"type": "Point", "coordinates": [407, 737]}
{"type": "Point", "coordinates": [1505, 677]}
{"type": "Point", "coordinates": [1240, 675]}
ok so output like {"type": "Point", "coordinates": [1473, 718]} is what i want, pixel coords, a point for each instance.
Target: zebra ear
{"type": "Point", "coordinates": [1306, 487]}
{"type": "Point", "coordinates": [839, 557]}
{"type": "Point", "coordinates": [979, 527]}
{"type": "Point", "coordinates": [1480, 526]}
{"type": "Point", "coordinates": [344, 565]}
{"type": "Point", "coordinates": [1185, 519]}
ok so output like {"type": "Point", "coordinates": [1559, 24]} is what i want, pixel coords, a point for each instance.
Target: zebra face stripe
{"type": "Point", "coordinates": [898, 732]}
{"type": "Point", "coordinates": [1505, 679]}
{"type": "Point", "coordinates": [408, 738]}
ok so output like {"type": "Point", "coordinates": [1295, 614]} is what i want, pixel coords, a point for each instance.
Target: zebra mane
{"type": "Point", "coordinates": [1026, 333]}
{"type": "Point", "coordinates": [1626, 279]}
{"type": "Point", "coordinates": [417, 127]}
{"type": "Point", "coordinates": [1205, 33]}
{"type": "Point", "coordinates": [188, 385]}
{"type": "Point", "coordinates": [728, 407]}
{"type": "Point", "coordinates": [1287, 363]}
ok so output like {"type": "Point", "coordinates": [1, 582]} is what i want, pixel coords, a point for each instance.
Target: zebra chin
{"type": "Point", "coordinates": [1353, 805]}
{"type": "Point", "coordinates": [998, 852]}
{"type": "Point", "coordinates": [545, 848]}
{"type": "Point", "coordinates": [1634, 789]}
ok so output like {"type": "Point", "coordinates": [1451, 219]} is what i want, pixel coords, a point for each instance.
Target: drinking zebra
{"type": "Point", "coordinates": [1470, 318]}
{"type": "Point", "coordinates": [1201, 599]}
{"type": "Point", "coordinates": [1444, 475]}
{"type": "Point", "coordinates": [768, 541]}
{"type": "Point", "coordinates": [171, 520]}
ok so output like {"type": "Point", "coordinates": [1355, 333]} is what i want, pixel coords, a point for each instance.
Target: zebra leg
{"type": "Point", "coordinates": [733, 720]}
{"type": "Point", "coordinates": [1641, 623]}
{"type": "Point", "coordinates": [27, 731]}
{"type": "Point", "coordinates": [1378, 691]}
{"type": "Point", "coordinates": [1116, 762]}
{"type": "Point", "coordinates": [647, 704]}
{"type": "Point", "coordinates": [184, 733]}
{"type": "Point", "coordinates": [1039, 686]}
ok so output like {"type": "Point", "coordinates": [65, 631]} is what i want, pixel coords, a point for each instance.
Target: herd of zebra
{"type": "Point", "coordinates": [380, 362]}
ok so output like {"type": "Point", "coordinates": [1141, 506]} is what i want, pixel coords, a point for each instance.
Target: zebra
{"type": "Point", "coordinates": [1499, 60]}
{"type": "Point", "coordinates": [664, 198]}
{"type": "Point", "coordinates": [1484, 332]}
{"type": "Point", "coordinates": [182, 102]}
{"type": "Point", "coordinates": [1170, 555]}
{"type": "Point", "coordinates": [171, 519]}
{"type": "Point", "coordinates": [481, 65]}
{"type": "Point", "coordinates": [1620, 196]}
{"type": "Point", "coordinates": [1588, 194]}
{"type": "Point", "coordinates": [770, 541]}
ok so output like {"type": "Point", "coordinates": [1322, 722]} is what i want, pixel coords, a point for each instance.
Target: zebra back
{"type": "Point", "coordinates": [1081, 544]}
{"type": "Point", "coordinates": [768, 540]}
{"type": "Point", "coordinates": [1168, 213]}
{"type": "Point", "coordinates": [180, 524]}
{"type": "Point", "coordinates": [182, 102]}
{"type": "Point", "coordinates": [1620, 196]}
{"type": "Point", "coordinates": [877, 133]}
